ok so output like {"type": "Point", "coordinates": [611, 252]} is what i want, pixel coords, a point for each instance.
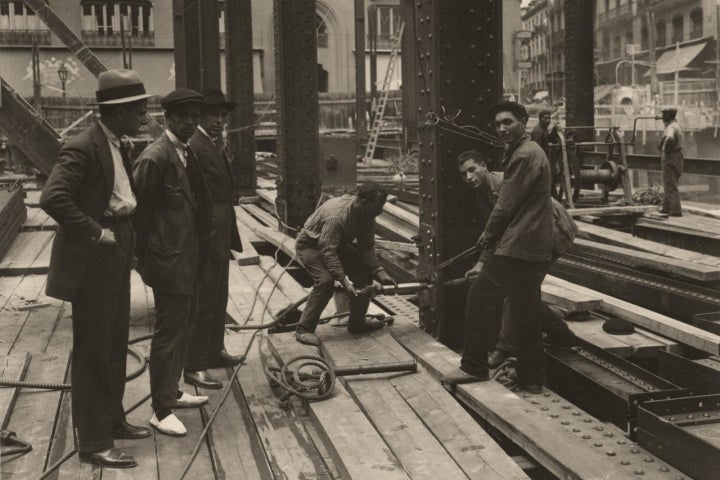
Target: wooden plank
{"type": "Point", "coordinates": [451, 428]}
{"type": "Point", "coordinates": [568, 299]}
{"type": "Point", "coordinates": [284, 438]}
{"type": "Point", "coordinates": [655, 322]}
{"type": "Point", "coordinates": [32, 198]}
{"type": "Point", "coordinates": [695, 271]}
{"type": "Point", "coordinates": [539, 424]}
{"type": "Point", "coordinates": [249, 255]}
{"type": "Point", "coordinates": [38, 219]}
{"type": "Point", "coordinates": [397, 246]}
{"type": "Point", "coordinates": [639, 344]}
{"type": "Point", "coordinates": [613, 237]}
{"type": "Point", "coordinates": [26, 248]}
{"type": "Point", "coordinates": [356, 448]}
{"type": "Point", "coordinates": [599, 211]}
{"type": "Point", "coordinates": [14, 322]}
{"type": "Point", "coordinates": [15, 368]}
{"type": "Point", "coordinates": [410, 219]}
{"type": "Point", "coordinates": [704, 209]}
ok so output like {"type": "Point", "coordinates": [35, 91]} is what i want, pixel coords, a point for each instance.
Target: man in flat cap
{"type": "Point", "coordinates": [671, 154]}
{"type": "Point", "coordinates": [517, 250]}
{"type": "Point", "coordinates": [172, 222]}
{"type": "Point", "coordinates": [206, 345]}
{"type": "Point", "coordinates": [91, 196]}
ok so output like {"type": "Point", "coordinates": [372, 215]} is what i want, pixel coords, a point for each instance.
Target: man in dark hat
{"type": "Point", "coordinates": [337, 243]}
{"type": "Point", "coordinates": [206, 347]}
{"type": "Point", "coordinates": [671, 154]}
{"type": "Point", "coordinates": [172, 222]}
{"type": "Point", "coordinates": [517, 249]}
{"type": "Point", "coordinates": [91, 196]}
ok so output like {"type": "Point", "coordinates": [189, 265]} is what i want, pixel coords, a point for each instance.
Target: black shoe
{"type": "Point", "coordinates": [497, 357]}
{"type": "Point", "coordinates": [460, 376]}
{"type": "Point", "coordinates": [202, 379]}
{"type": "Point", "coordinates": [535, 389]}
{"type": "Point", "coordinates": [130, 432]}
{"type": "Point", "coordinates": [367, 325]}
{"type": "Point", "coordinates": [224, 359]}
{"type": "Point", "coordinates": [110, 458]}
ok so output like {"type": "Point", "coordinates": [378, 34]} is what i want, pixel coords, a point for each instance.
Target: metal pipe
{"type": "Point", "coordinates": [410, 366]}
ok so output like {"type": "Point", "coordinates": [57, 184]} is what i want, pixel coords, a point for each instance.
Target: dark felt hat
{"type": "Point", "coordinates": [507, 106]}
{"type": "Point", "coordinates": [214, 97]}
{"type": "Point", "coordinates": [181, 96]}
{"type": "Point", "coordinates": [119, 86]}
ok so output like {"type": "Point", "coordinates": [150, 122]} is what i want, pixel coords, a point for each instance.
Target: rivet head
{"type": "Point", "coordinates": [587, 437]}
{"type": "Point", "coordinates": [639, 472]}
{"type": "Point", "coordinates": [565, 422]}
{"type": "Point", "coordinates": [610, 453]}
{"type": "Point", "coordinates": [625, 462]}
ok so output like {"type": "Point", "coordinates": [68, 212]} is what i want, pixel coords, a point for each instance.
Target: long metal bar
{"type": "Point", "coordinates": [360, 98]}
{"type": "Point", "coordinates": [409, 67]}
{"type": "Point", "coordinates": [239, 79]}
{"type": "Point", "coordinates": [297, 110]}
{"type": "Point", "coordinates": [691, 166]}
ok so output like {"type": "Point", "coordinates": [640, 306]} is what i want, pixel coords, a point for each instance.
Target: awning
{"type": "Point", "coordinates": [677, 59]}
{"type": "Point", "coordinates": [602, 91]}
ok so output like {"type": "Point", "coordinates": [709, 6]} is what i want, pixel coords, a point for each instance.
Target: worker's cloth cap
{"type": "Point", "coordinates": [507, 106]}
{"type": "Point", "coordinates": [669, 109]}
{"type": "Point", "coordinates": [181, 96]}
{"type": "Point", "coordinates": [214, 97]}
{"type": "Point", "coordinates": [119, 86]}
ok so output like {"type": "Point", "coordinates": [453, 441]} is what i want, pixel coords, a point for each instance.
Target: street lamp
{"type": "Point", "coordinates": [62, 75]}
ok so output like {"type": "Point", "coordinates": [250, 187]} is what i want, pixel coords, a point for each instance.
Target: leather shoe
{"type": "Point", "coordinates": [497, 357]}
{"type": "Point", "coordinates": [202, 379]}
{"type": "Point", "coordinates": [368, 324]}
{"type": "Point", "coordinates": [110, 458]}
{"type": "Point", "coordinates": [130, 432]}
{"type": "Point", "coordinates": [224, 359]}
{"type": "Point", "coordinates": [307, 338]}
{"type": "Point", "coordinates": [460, 376]}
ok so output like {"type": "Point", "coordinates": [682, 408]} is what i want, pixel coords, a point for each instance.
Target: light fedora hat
{"type": "Point", "coordinates": [119, 86]}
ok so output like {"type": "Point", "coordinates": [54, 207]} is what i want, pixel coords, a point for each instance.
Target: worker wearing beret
{"type": "Point", "coordinates": [172, 223]}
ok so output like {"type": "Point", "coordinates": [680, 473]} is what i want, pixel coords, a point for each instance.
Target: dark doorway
{"type": "Point", "coordinates": [322, 78]}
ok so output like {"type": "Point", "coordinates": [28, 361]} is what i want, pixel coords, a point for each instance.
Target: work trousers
{"type": "Point", "coordinates": [174, 321]}
{"type": "Point", "coordinates": [555, 329]}
{"type": "Point", "coordinates": [207, 338]}
{"type": "Point", "coordinates": [672, 167]}
{"type": "Point", "coordinates": [519, 281]}
{"type": "Point", "coordinates": [101, 319]}
{"type": "Point", "coordinates": [324, 284]}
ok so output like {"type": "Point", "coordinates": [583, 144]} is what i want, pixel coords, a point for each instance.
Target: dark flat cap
{"type": "Point", "coordinates": [669, 109]}
{"type": "Point", "coordinates": [507, 106]}
{"type": "Point", "coordinates": [214, 97]}
{"type": "Point", "coordinates": [181, 96]}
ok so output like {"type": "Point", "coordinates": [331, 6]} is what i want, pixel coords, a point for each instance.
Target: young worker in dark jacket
{"type": "Point", "coordinates": [172, 222]}
{"type": "Point", "coordinates": [205, 347]}
{"type": "Point", "coordinates": [91, 196]}
{"type": "Point", "coordinates": [517, 243]}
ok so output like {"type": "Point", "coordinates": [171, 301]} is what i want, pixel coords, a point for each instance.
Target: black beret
{"type": "Point", "coordinates": [507, 106]}
{"type": "Point", "coordinates": [181, 96]}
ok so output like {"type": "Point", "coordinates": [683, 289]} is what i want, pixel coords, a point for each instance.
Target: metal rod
{"type": "Point", "coordinates": [410, 366]}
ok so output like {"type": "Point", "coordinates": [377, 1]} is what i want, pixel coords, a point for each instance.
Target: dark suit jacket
{"type": "Point", "coordinates": [76, 194]}
{"type": "Point", "coordinates": [213, 162]}
{"type": "Point", "coordinates": [172, 218]}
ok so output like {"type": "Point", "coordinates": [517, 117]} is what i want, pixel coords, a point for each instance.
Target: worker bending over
{"type": "Point", "coordinates": [337, 243]}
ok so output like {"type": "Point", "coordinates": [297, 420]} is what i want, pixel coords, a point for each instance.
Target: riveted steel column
{"type": "Point", "coordinates": [579, 96]}
{"type": "Point", "coordinates": [297, 109]}
{"type": "Point", "coordinates": [459, 47]}
{"type": "Point", "coordinates": [409, 76]}
{"type": "Point", "coordinates": [239, 79]}
{"type": "Point", "coordinates": [209, 40]}
{"type": "Point", "coordinates": [360, 98]}
{"type": "Point", "coordinates": [186, 38]}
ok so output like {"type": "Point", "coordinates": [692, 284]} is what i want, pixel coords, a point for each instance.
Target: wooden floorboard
{"type": "Point", "coordinates": [26, 249]}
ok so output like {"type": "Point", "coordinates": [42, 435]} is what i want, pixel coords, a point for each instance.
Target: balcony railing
{"type": "Point", "coordinates": [104, 39]}
{"type": "Point", "coordinates": [24, 37]}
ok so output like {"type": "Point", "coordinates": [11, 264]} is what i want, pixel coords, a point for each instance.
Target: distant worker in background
{"type": "Point", "coordinates": [90, 194]}
{"type": "Point", "coordinates": [671, 156]}
{"type": "Point", "coordinates": [543, 135]}
{"type": "Point", "coordinates": [486, 185]}
{"type": "Point", "coordinates": [206, 347]}
{"type": "Point", "coordinates": [517, 245]}
{"type": "Point", "coordinates": [337, 243]}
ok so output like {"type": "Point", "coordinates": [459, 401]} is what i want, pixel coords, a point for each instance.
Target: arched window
{"type": "Point", "coordinates": [678, 23]}
{"type": "Point", "coordinates": [696, 23]}
{"type": "Point", "coordinates": [321, 32]}
{"type": "Point", "coordinates": [660, 33]}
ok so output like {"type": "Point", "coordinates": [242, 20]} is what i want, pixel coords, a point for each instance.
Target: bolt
{"type": "Point", "coordinates": [587, 437]}
{"type": "Point", "coordinates": [610, 453]}
{"type": "Point", "coordinates": [597, 444]}
{"type": "Point", "coordinates": [649, 459]}
{"type": "Point", "coordinates": [565, 422]}
{"type": "Point", "coordinates": [621, 442]}
{"type": "Point", "coordinates": [625, 462]}
{"type": "Point", "coordinates": [576, 430]}
{"type": "Point", "coordinates": [639, 472]}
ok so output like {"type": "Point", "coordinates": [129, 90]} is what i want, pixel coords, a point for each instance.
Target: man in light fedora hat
{"type": "Point", "coordinates": [90, 194]}
{"type": "Point", "coordinates": [173, 223]}
{"type": "Point", "coordinates": [206, 345]}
